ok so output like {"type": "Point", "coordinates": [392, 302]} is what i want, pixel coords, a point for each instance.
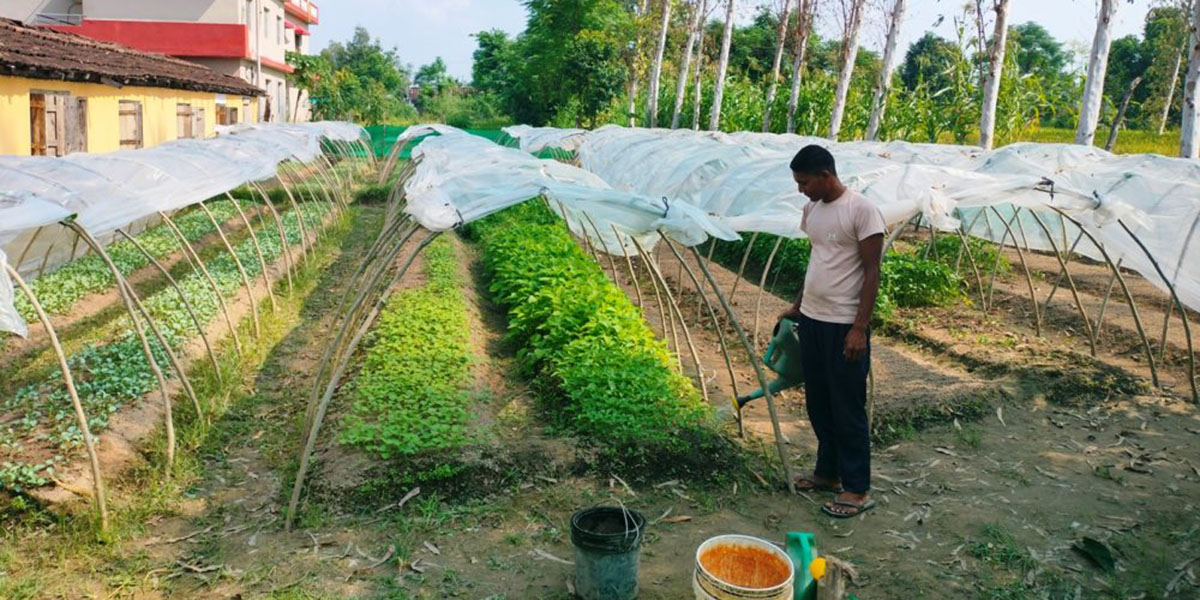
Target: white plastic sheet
{"type": "Point", "coordinates": [742, 181]}
{"type": "Point", "coordinates": [460, 178]}
{"type": "Point", "coordinates": [111, 191]}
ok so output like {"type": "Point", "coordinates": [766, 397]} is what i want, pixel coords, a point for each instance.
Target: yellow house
{"type": "Point", "coordinates": [63, 93]}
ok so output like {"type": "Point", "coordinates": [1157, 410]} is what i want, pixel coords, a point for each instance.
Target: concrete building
{"type": "Point", "coordinates": [62, 93]}
{"type": "Point", "coordinates": [247, 39]}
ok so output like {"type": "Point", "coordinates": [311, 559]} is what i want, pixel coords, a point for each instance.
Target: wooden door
{"type": "Point", "coordinates": [56, 124]}
{"type": "Point", "coordinates": [77, 125]}
{"type": "Point", "coordinates": [183, 121]}
{"type": "Point", "coordinates": [129, 119]}
{"type": "Point", "coordinates": [198, 123]}
{"type": "Point", "coordinates": [37, 124]}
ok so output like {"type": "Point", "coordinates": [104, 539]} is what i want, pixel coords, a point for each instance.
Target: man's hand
{"type": "Point", "coordinates": [792, 313]}
{"type": "Point", "coordinates": [856, 344]}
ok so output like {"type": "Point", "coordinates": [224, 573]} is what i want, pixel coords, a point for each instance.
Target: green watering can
{"type": "Point", "coordinates": [802, 549]}
{"type": "Point", "coordinates": [783, 357]}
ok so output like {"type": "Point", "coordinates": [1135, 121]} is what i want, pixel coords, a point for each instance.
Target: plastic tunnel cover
{"type": "Point", "coordinates": [111, 191]}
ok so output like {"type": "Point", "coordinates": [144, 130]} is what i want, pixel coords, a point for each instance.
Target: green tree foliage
{"type": "Point", "coordinates": [357, 81]}
{"type": "Point", "coordinates": [1037, 52]}
{"type": "Point", "coordinates": [929, 61]}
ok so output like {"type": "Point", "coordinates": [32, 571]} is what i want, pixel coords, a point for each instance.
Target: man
{"type": "Point", "coordinates": [834, 313]}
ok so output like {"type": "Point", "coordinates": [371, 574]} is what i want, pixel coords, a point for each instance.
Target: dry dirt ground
{"type": "Point", "coordinates": [1000, 452]}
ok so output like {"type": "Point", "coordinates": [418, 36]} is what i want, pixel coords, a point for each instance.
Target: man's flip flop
{"type": "Point", "coordinates": [858, 508]}
{"type": "Point", "coordinates": [804, 484]}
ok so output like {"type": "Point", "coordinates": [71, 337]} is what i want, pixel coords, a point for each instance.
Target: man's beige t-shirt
{"type": "Point", "coordinates": [835, 273]}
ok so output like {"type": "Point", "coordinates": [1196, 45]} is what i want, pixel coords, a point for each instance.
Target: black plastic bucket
{"type": "Point", "coordinates": [606, 540]}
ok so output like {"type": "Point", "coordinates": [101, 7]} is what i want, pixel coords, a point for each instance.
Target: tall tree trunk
{"type": "Point", "coordinates": [991, 89]}
{"type": "Point", "coordinates": [849, 55]}
{"type": "Point", "coordinates": [656, 66]}
{"type": "Point", "coordinates": [640, 10]}
{"type": "Point", "coordinates": [1166, 111]}
{"type": "Point", "coordinates": [1189, 143]}
{"type": "Point", "coordinates": [884, 86]}
{"type": "Point", "coordinates": [1093, 88]}
{"type": "Point", "coordinates": [698, 7]}
{"type": "Point", "coordinates": [699, 71]}
{"type": "Point", "coordinates": [1120, 118]}
{"type": "Point", "coordinates": [714, 121]}
{"type": "Point", "coordinates": [804, 19]}
{"type": "Point", "coordinates": [780, 41]}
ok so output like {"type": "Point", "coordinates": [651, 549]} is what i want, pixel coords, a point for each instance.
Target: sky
{"type": "Point", "coordinates": [423, 30]}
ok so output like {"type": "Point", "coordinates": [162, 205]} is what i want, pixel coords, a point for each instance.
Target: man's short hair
{"type": "Point", "coordinates": [815, 160]}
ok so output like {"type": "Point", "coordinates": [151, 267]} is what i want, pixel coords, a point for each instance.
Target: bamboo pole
{"type": "Point", "coordinates": [1187, 330]}
{"type": "Point", "coordinates": [687, 336]}
{"type": "Point", "coordinates": [286, 248]}
{"type": "Point", "coordinates": [187, 305]}
{"type": "Point", "coordinates": [1087, 323]}
{"type": "Point", "coordinates": [758, 371]}
{"type": "Point", "coordinates": [1112, 283]}
{"type": "Point", "coordinates": [126, 293]}
{"type": "Point", "coordinates": [742, 267]}
{"type": "Point", "coordinates": [241, 270]}
{"type": "Point", "coordinates": [305, 249]}
{"type": "Point", "coordinates": [212, 283]}
{"type": "Point", "coordinates": [762, 282]}
{"type": "Point", "coordinates": [604, 246]}
{"type": "Point", "coordinates": [89, 444]}
{"type": "Point", "coordinates": [712, 313]}
{"type": "Point", "coordinates": [33, 238]}
{"type": "Point", "coordinates": [637, 287]}
{"type": "Point", "coordinates": [667, 324]}
{"type": "Point", "coordinates": [1058, 280]}
{"type": "Point", "coordinates": [1037, 313]}
{"type": "Point", "coordinates": [346, 306]}
{"type": "Point", "coordinates": [262, 260]}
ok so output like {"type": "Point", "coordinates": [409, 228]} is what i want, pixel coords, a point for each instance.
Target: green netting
{"type": "Point", "coordinates": [383, 137]}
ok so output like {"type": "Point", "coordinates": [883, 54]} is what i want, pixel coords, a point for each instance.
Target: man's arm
{"type": "Point", "coordinates": [871, 251]}
{"type": "Point", "coordinates": [793, 313]}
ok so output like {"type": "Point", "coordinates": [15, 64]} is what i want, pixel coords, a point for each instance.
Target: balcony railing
{"type": "Point", "coordinates": [304, 9]}
{"type": "Point", "coordinates": [57, 19]}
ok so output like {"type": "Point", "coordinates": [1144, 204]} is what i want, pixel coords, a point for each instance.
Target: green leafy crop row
{"type": "Point", "coordinates": [411, 395]}
{"type": "Point", "coordinates": [605, 375]}
{"type": "Point", "coordinates": [113, 374]}
{"type": "Point", "coordinates": [59, 290]}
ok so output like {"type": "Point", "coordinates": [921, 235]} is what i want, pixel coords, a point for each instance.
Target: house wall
{"type": "Point", "coordinates": [159, 122]}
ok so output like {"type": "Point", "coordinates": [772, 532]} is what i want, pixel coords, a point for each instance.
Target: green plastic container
{"type": "Point", "coordinates": [783, 357]}
{"type": "Point", "coordinates": [607, 541]}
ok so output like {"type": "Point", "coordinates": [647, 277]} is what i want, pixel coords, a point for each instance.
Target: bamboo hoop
{"type": "Point", "coordinates": [1037, 313]}
{"type": "Point", "coordinates": [241, 270]}
{"type": "Point", "coordinates": [187, 305]}
{"type": "Point", "coordinates": [637, 287]}
{"type": "Point", "coordinates": [785, 462]}
{"type": "Point", "coordinates": [69, 381]}
{"type": "Point", "coordinates": [687, 336]}
{"type": "Point", "coordinates": [212, 283]}
{"type": "Point", "coordinates": [126, 293]}
{"type": "Point", "coordinates": [262, 260]}
{"type": "Point", "coordinates": [1087, 323]}
{"type": "Point", "coordinates": [1187, 330]}
{"type": "Point", "coordinates": [315, 429]}
{"type": "Point", "coordinates": [762, 282]}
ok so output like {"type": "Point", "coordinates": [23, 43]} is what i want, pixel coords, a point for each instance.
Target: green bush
{"type": "Point", "coordinates": [910, 281]}
{"type": "Point", "coordinates": [905, 280]}
{"type": "Point", "coordinates": [605, 375]}
{"type": "Point", "coordinates": [948, 250]}
{"type": "Point", "coordinates": [410, 395]}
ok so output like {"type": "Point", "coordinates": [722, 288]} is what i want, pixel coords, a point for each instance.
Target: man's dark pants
{"type": "Point", "coordinates": [836, 398]}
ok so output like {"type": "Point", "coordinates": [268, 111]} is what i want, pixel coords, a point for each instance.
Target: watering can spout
{"type": "Point", "coordinates": [782, 357]}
